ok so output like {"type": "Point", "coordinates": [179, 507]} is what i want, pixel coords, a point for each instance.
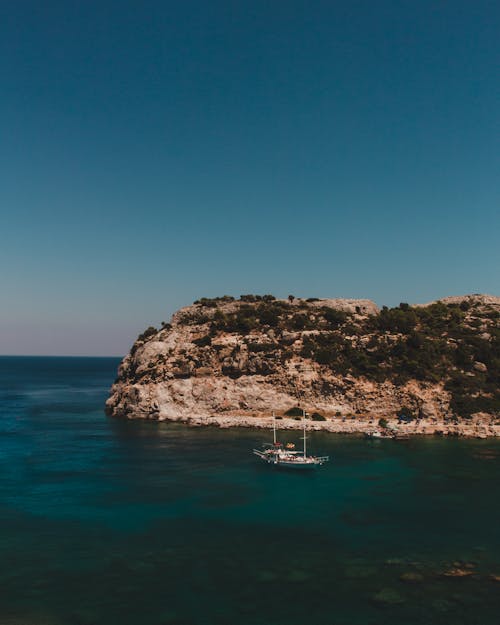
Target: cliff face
{"type": "Point", "coordinates": [223, 359]}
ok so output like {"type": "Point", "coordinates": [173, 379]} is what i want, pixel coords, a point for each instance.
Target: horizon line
{"type": "Point", "coordinates": [59, 356]}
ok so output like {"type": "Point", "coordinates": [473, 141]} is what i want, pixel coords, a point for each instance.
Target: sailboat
{"type": "Point", "coordinates": [286, 456]}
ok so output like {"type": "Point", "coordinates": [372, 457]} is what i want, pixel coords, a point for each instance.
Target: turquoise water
{"type": "Point", "coordinates": [105, 521]}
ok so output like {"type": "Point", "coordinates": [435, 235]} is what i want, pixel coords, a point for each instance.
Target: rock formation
{"type": "Point", "coordinates": [234, 362]}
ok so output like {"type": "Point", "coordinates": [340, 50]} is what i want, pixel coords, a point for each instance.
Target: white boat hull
{"type": "Point", "coordinates": [290, 461]}
{"type": "Point", "coordinates": [284, 457]}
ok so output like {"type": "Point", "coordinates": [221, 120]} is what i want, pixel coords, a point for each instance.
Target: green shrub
{"type": "Point", "coordinates": [299, 322]}
{"type": "Point", "coordinates": [407, 412]}
{"type": "Point", "coordinates": [261, 347]}
{"type": "Point", "coordinates": [209, 303]}
{"type": "Point", "coordinates": [203, 341]}
{"type": "Point", "coordinates": [333, 317]}
{"type": "Point", "coordinates": [325, 356]}
{"type": "Point", "coordinates": [316, 416]}
{"type": "Point", "coordinates": [250, 298]}
{"type": "Point", "coordinates": [294, 412]}
{"type": "Point", "coordinates": [396, 320]}
{"type": "Point", "coordinates": [147, 333]}
{"type": "Point", "coordinates": [212, 302]}
{"type": "Point", "coordinates": [268, 316]}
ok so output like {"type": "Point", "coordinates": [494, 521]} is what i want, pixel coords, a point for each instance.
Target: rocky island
{"type": "Point", "coordinates": [431, 368]}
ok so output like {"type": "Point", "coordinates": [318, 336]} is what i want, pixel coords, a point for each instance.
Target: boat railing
{"type": "Point", "coordinates": [259, 453]}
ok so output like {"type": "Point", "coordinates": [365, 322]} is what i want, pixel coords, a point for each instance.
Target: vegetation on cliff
{"type": "Point", "coordinates": [454, 343]}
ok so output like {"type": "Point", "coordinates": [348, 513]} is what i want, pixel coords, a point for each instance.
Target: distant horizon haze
{"type": "Point", "coordinates": [121, 335]}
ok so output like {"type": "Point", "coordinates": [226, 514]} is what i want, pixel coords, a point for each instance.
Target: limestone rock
{"type": "Point", "coordinates": [228, 362]}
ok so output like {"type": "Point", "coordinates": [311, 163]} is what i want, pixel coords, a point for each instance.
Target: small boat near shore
{"type": "Point", "coordinates": [286, 456]}
{"type": "Point", "coordinates": [393, 434]}
{"type": "Point", "coordinates": [374, 434]}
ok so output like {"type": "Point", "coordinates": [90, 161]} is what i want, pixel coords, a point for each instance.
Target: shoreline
{"type": "Point", "coordinates": [345, 360]}
{"type": "Point", "coordinates": [475, 428]}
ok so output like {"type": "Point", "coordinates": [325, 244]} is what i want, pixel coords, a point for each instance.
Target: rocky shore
{"type": "Point", "coordinates": [424, 370]}
{"type": "Point", "coordinates": [476, 428]}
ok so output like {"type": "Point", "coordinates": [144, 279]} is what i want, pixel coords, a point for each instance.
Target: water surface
{"type": "Point", "coordinates": [105, 521]}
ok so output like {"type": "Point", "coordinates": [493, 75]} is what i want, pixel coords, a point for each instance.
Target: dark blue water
{"type": "Point", "coordinates": [105, 521]}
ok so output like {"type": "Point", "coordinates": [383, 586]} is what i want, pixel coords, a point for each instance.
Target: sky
{"type": "Point", "coordinates": [155, 152]}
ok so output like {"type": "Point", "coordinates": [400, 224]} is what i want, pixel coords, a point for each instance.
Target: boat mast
{"type": "Point", "coordinates": [304, 421]}
{"type": "Point", "coordinates": [274, 429]}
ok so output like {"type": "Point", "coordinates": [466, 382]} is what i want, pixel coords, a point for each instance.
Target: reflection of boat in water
{"type": "Point", "coordinates": [281, 455]}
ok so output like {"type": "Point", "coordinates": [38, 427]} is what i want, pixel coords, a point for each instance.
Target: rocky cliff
{"type": "Point", "coordinates": [230, 361]}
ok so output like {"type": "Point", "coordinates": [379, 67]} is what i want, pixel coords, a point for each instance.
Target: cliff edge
{"type": "Point", "coordinates": [233, 362]}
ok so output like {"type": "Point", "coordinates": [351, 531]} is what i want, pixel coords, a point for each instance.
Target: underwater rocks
{"type": "Point", "coordinates": [387, 597]}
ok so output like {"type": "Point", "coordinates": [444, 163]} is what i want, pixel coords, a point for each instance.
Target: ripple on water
{"type": "Point", "coordinates": [103, 521]}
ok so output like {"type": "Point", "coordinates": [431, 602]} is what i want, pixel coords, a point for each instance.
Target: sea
{"type": "Point", "coordinates": [106, 521]}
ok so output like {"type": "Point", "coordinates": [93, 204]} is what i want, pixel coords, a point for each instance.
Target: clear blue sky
{"type": "Point", "coordinates": [155, 152]}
